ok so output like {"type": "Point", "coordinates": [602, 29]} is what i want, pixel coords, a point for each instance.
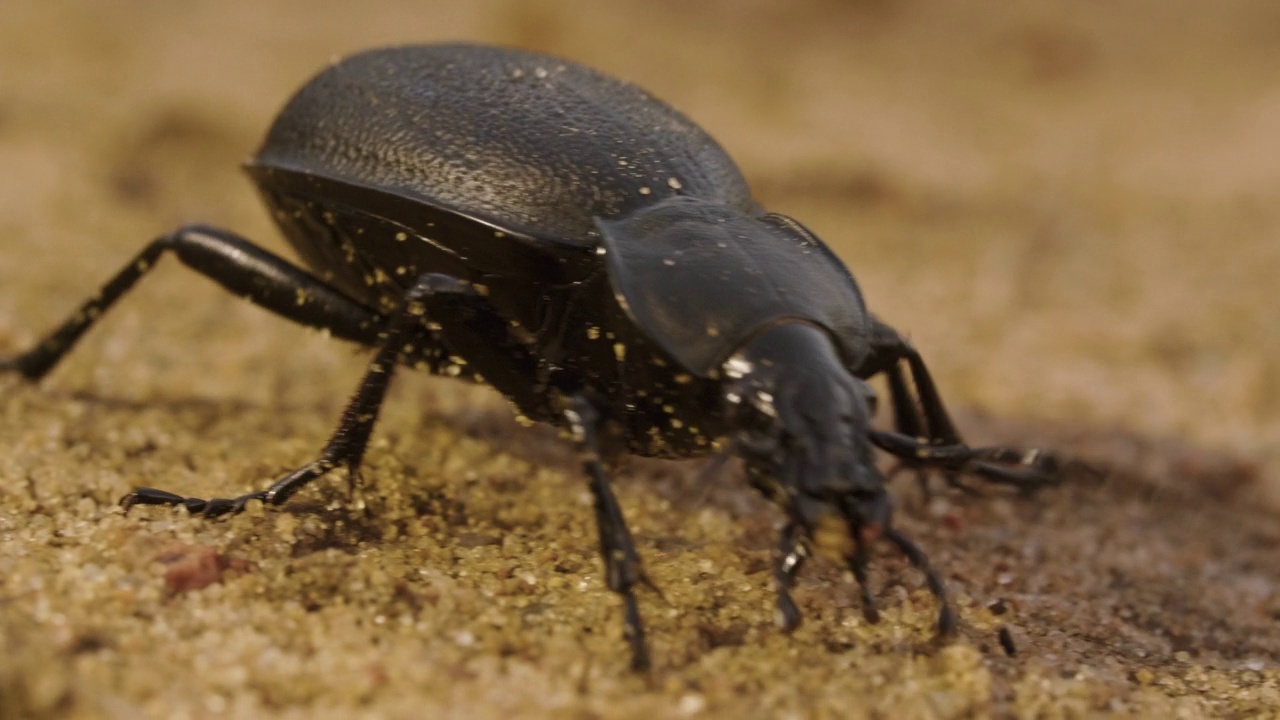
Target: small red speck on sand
{"type": "Point", "coordinates": [192, 567]}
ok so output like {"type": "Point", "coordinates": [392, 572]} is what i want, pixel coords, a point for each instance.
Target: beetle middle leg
{"type": "Point", "coordinates": [347, 444]}
{"type": "Point", "coordinates": [621, 562]}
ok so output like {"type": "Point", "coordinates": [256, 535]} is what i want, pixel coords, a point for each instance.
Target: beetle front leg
{"type": "Point", "coordinates": [233, 262]}
{"type": "Point", "coordinates": [621, 562]}
{"type": "Point", "coordinates": [889, 349]}
{"type": "Point", "coordinates": [347, 445]}
{"type": "Point", "coordinates": [792, 554]}
{"type": "Point", "coordinates": [946, 615]}
{"type": "Point", "coordinates": [1026, 469]}
{"type": "Point", "coordinates": [925, 434]}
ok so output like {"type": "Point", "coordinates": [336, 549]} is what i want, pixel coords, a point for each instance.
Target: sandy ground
{"type": "Point", "coordinates": [1070, 207]}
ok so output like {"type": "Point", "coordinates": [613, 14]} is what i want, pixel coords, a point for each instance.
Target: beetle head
{"type": "Point", "coordinates": [802, 422]}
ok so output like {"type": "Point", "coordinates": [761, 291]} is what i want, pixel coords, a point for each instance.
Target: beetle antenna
{"type": "Point", "coordinates": [946, 616]}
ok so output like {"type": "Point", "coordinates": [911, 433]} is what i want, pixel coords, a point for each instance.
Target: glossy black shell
{"type": "Point", "coordinates": [535, 144]}
{"type": "Point", "coordinates": [506, 168]}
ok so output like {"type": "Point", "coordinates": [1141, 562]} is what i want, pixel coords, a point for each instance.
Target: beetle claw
{"type": "Point", "coordinates": [211, 508]}
{"type": "Point", "coordinates": [149, 496]}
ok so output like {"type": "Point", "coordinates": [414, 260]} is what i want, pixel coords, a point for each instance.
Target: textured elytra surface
{"type": "Point", "coordinates": [528, 141]}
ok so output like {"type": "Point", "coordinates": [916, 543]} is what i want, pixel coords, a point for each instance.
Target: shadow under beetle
{"type": "Point", "coordinates": [519, 220]}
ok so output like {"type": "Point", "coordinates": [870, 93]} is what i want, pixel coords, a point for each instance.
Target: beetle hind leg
{"type": "Point", "coordinates": [233, 262]}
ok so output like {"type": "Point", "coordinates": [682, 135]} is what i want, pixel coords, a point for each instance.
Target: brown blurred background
{"type": "Point", "coordinates": [1069, 207]}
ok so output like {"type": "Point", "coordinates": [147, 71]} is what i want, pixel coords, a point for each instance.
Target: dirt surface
{"type": "Point", "coordinates": [1069, 207]}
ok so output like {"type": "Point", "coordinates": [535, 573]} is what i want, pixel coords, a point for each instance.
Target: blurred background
{"type": "Point", "coordinates": [1069, 207]}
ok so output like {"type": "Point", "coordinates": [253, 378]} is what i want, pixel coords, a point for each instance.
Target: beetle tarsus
{"type": "Point", "coordinates": [149, 496]}
{"type": "Point", "coordinates": [1027, 470]}
{"type": "Point", "coordinates": [633, 631]}
{"type": "Point", "coordinates": [213, 507]}
{"type": "Point", "coordinates": [217, 507]}
{"type": "Point", "coordinates": [22, 365]}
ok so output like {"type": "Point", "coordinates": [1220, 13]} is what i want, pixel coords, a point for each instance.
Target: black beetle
{"type": "Point", "coordinates": [520, 220]}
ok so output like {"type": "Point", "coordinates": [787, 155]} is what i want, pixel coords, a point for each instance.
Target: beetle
{"type": "Point", "coordinates": [516, 219]}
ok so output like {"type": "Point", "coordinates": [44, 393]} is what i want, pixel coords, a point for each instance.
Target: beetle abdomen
{"type": "Point", "coordinates": [526, 141]}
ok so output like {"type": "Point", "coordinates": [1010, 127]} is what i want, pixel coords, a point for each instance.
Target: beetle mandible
{"type": "Point", "coordinates": [517, 219]}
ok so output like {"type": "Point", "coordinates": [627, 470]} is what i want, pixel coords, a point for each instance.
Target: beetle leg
{"type": "Point", "coordinates": [946, 615]}
{"type": "Point", "coordinates": [907, 421]}
{"type": "Point", "coordinates": [791, 556]}
{"type": "Point", "coordinates": [347, 445]}
{"type": "Point", "coordinates": [1027, 469]}
{"type": "Point", "coordinates": [925, 434]}
{"type": "Point", "coordinates": [792, 550]}
{"type": "Point", "coordinates": [858, 564]}
{"type": "Point", "coordinates": [888, 349]}
{"type": "Point", "coordinates": [235, 263]}
{"type": "Point", "coordinates": [621, 562]}
{"type": "Point", "coordinates": [906, 414]}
